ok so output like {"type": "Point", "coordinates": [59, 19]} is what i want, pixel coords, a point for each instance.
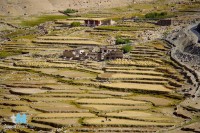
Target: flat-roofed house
{"type": "Point", "coordinates": [78, 54]}
{"type": "Point", "coordinates": [110, 54]}
{"type": "Point", "coordinates": [165, 22]}
{"type": "Point", "coordinates": [104, 53]}
{"type": "Point", "coordinates": [93, 22]}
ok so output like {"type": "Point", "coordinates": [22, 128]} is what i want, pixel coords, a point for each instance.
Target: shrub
{"type": "Point", "coordinates": [163, 14]}
{"type": "Point", "coordinates": [70, 11]}
{"type": "Point", "coordinates": [127, 48]}
{"type": "Point", "coordinates": [75, 24]}
{"type": "Point", "coordinates": [122, 41]}
{"type": "Point", "coordinates": [156, 15]}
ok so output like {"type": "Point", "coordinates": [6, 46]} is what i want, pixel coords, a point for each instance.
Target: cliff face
{"type": "Point", "coordinates": [29, 7]}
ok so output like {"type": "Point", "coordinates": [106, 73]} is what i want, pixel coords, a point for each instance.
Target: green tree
{"type": "Point", "coordinates": [163, 14]}
{"type": "Point", "coordinates": [70, 11]}
{"type": "Point", "coordinates": [120, 40]}
{"type": "Point", "coordinates": [75, 24]}
{"type": "Point", "coordinates": [156, 15]}
{"type": "Point", "coordinates": [127, 48]}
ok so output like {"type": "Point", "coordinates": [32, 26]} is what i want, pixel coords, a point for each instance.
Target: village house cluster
{"type": "Point", "coordinates": [96, 54]}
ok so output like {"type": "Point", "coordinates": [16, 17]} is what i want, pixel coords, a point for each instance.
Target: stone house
{"type": "Point", "coordinates": [165, 22]}
{"type": "Point", "coordinates": [93, 22]}
{"type": "Point", "coordinates": [104, 53]}
{"type": "Point", "coordinates": [78, 54]}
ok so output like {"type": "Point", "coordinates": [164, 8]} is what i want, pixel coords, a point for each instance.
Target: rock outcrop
{"type": "Point", "coordinates": [198, 28]}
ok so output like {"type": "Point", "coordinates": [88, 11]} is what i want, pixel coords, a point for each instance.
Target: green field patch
{"type": "Point", "coordinates": [42, 19]}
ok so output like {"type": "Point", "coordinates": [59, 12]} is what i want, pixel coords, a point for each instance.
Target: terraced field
{"type": "Point", "coordinates": [129, 95]}
{"type": "Point", "coordinates": [71, 41]}
{"type": "Point", "coordinates": [139, 93]}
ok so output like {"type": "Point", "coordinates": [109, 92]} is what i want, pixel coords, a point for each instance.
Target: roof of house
{"type": "Point", "coordinates": [81, 18]}
{"type": "Point", "coordinates": [97, 19]}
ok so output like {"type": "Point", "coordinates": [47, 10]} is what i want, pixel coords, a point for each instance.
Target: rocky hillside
{"type": "Point", "coordinates": [28, 7]}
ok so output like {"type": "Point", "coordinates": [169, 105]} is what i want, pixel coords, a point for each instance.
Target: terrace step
{"type": "Point", "coordinates": [68, 42]}
{"type": "Point", "coordinates": [38, 127]}
{"type": "Point", "coordinates": [61, 38]}
{"type": "Point", "coordinates": [145, 52]}
{"type": "Point", "coordinates": [58, 123]}
{"type": "Point", "coordinates": [113, 130]}
{"type": "Point", "coordinates": [146, 82]}
{"type": "Point", "coordinates": [194, 127]}
{"type": "Point", "coordinates": [122, 122]}
{"type": "Point", "coordinates": [141, 88]}
{"type": "Point", "coordinates": [183, 113]}
{"type": "Point", "coordinates": [140, 72]}
{"type": "Point", "coordinates": [146, 58]}
{"type": "Point", "coordinates": [129, 68]}
{"type": "Point", "coordinates": [143, 48]}
{"type": "Point", "coordinates": [146, 55]}
{"type": "Point", "coordinates": [121, 76]}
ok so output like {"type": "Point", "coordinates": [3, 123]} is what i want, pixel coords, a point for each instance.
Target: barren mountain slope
{"type": "Point", "coordinates": [22, 7]}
